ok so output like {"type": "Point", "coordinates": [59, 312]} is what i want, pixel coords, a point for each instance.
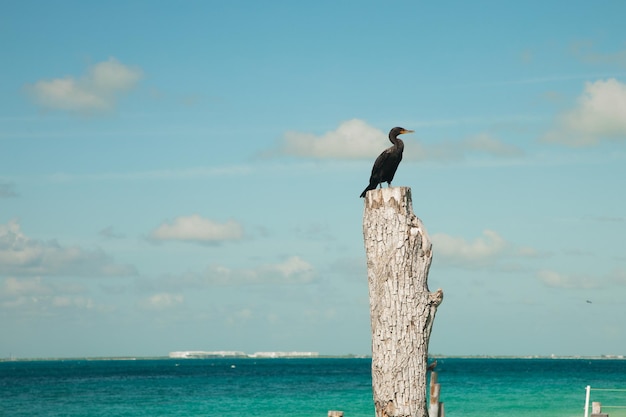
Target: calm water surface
{"type": "Point", "coordinates": [297, 387]}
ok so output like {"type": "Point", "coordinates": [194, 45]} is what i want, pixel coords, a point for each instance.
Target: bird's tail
{"type": "Point", "coordinates": [369, 187]}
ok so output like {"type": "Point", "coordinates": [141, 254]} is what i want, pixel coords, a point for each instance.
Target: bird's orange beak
{"type": "Point", "coordinates": [406, 131]}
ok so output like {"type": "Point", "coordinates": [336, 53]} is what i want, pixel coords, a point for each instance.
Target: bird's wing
{"type": "Point", "coordinates": [380, 161]}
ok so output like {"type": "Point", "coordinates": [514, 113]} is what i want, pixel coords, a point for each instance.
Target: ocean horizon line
{"type": "Point", "coordinates": [312, 357]}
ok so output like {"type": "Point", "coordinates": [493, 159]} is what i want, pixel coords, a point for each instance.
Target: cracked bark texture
{"type": "Point", "coordinates": [402, 309]}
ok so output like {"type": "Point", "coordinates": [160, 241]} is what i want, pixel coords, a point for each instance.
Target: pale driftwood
{"type": "Point", "coordinates": [596, 410]}
{"type": "Point", "coordinates": [435, 408]}
{"type": "Point", "coordinates": [335, 413]}
{"type": "Point", "coordinates": [596, 407]}
{"type": "Point", "coordinates": [402, 308]}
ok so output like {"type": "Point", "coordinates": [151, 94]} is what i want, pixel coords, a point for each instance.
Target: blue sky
{"type": "Point", "coordinates": [186, 176]}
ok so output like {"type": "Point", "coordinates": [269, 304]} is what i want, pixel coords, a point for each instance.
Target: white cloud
{"type": "Point", "coordinates": [64, 301]}
{"type": "Point", "coordinates": [557, 280]}
{"type": "Point", "coordinates": [290, 271]}
{"type": "Point", "coordinates": [39, 297]}
{"type": "Point", "coordinates": [161, 301]}
{"type": "Point", "coordinates": [197, 229]}
{"type": "Point", "coordinates": [582, 281]}
{"type": "Point", "coordinates": [39, 306]}
{"type": "Point", "coordinates": [488, 248]}
{"type": "Point", "coordinates": [458, 249]}
{"type": "Point", "coordinates": [23, 256]}
{"type": "Point", "coordinates": [293, 270]}
{"type": "Point", "coordinates": [96, 91]}
{"type": "Point", "coordinates": [600, 114]}
{"type": "Point", "coordinates": [24, 287]}
{"type": "Point", "coordinates": [353, 139]}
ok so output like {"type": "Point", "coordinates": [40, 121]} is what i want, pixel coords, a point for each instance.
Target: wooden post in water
{"type": "Point", "coordinates": [402, 309]}
{"type": "Point", "coordinates": [435, 408]}
{"type": "Point", "coordinates": [334, 413]}
{"type": "Point", "coordinates": [596, 410]}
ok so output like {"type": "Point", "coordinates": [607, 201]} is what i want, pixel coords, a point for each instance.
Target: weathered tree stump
{"type": "Point", "coordinates": [402, 309]}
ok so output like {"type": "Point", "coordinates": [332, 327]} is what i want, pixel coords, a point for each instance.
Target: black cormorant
{"type": "Point", "coordinates": [387, 162]}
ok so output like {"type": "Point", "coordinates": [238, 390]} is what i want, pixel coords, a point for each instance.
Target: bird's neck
{"type": "Point", "coordinates": [396, 142]}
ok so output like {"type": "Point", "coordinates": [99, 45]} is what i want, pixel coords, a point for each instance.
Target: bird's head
{"type": "Point", "coordinates": [398, 131]}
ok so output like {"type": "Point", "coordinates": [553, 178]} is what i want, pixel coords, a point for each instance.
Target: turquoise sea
{"type": "Point", "coordinates": [297, 387]}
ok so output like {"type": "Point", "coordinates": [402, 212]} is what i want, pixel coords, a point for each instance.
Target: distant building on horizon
{"type": "Point", "coordinates": [201, 354]}
{"type": "Point", "coordinates": [284, 355]}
